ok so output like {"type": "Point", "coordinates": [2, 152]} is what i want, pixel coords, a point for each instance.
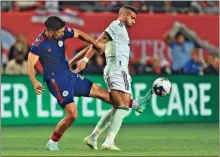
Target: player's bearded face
{"type": "Point", "coordinates": [131, 18]}
{"type": "Point", "coordinates": [58, 34]}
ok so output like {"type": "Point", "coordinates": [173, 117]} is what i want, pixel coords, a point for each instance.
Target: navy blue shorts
{"type": "Point", "coordinates": [66, 86]}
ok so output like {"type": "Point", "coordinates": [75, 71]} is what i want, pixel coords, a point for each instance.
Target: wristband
{"type": "Point", "coordinates": [85, 59]}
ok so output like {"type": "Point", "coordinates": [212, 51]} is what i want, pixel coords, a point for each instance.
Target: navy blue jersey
{"type": "Point", "coordinates": [52, 53]}
{"type": "Point", "coordinates": [61, 82]}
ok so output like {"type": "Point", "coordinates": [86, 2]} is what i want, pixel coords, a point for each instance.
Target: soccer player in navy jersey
{"type": "Point", "coordinates": [63, 84]}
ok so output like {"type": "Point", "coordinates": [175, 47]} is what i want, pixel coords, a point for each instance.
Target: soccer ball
{"type": "Point", "coordinates": [162, 86]}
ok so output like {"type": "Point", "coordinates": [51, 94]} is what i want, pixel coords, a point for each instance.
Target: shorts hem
{"type": "Point", "coordinates": [125, 91]}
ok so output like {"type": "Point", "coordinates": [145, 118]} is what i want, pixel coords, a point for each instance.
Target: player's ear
{"type": "Point", "coordinates": [50, 33]}
{"type": "Point", "coordinates": [124, 15]}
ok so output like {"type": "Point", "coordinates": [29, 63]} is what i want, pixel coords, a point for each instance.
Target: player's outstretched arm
{"type": "Point", "coordinates": [32, 60]}
{"type": "Point", "coordinates": [79, 56]}
{"type": "Point", "coordinates": [167, 39]}
{"type": "Point", "coordinates": [85, 37]}
{"type": "Point", "coordinates": [82, 63]}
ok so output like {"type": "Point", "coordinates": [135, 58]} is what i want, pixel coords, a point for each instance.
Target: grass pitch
{"type": "Point", "coordinates": [134, 140]}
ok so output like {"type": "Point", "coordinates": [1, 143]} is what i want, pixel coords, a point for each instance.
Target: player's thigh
{"type": "Point", "coordinates": [118, 83]}
{"type": "Point", "coordinates": [71, 110]}
{"type": "Point", "coordinates": [120, 98]}
{"type": "Point", "coordinates": [100, 93]}
{"type": "Point", "coordinates": [62, 90]}
{"type": "Point", "coordinates": [82, 86]}
{"type": "Point", "coordinates": [118, 80]}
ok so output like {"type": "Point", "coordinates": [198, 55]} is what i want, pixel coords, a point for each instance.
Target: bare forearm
{"type": "Point", "coordinates": [174, 30]}
{"type": "Point", "coordinates": [87, 38]}
{"type": "Point", "coordinates": [189, 33]}
{"type": "Point", "coordinates": [208, 47]}
{"type": "Point", "coordinates": [193, 37]}
{"type": "Point", "coordinates": [79, 56]}
{"type": "Point", "coordinates": [31, 73]}
{"type": "Point", "coordinates": [90, 53]}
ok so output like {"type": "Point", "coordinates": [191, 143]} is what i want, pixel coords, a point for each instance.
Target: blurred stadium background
{"type": "Point", "coordinates": [184, 123]}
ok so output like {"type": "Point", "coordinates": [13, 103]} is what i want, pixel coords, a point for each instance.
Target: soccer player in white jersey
{"type": "Point", "coordinates": [116, 46]}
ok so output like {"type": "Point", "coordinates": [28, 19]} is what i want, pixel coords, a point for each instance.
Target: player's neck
{"type": "Point", "coordinates": [121, 20]}
{"type": "Point", "coordinates": [46, 34]}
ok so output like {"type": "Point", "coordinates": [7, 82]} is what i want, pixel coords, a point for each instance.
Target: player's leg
{"type": "Point", "coordinates": [103, 123]}
{"type": "Point", "coordinates": [86, 88]}
{"type": "Point", "coordinates": [100, 93]}
{"type": "Point", "coordinates": [71, 115]}
{"type": "Point", "coordinates": [119, 84]}
{"type": "Point", "coordinates": [121, 99]}
{"type": "Point", "coordinates": [138, 105]}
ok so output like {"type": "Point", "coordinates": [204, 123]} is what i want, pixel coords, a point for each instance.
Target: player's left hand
{"type": "Point", "coordinates": [80, 66]}
{"type": "Point", "coordinates": [70, 66]}
{"type": "Point", "coordinates": [38, 88]}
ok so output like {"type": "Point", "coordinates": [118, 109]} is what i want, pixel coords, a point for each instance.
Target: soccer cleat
{"type": "Point", "coordinates": [52, 146]}
{"type": "Point", "coordinates": [92, 144]}
{"type": "Point", "coordinates": [109, 147]}
{"type": "Point", "coordinates": [144, 101]}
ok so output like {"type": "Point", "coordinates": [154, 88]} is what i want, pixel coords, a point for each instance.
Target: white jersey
{"type": "Point", "coordinates": [117, 51]}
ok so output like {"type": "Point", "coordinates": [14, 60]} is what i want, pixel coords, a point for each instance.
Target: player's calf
{"type": "Point", "coordinates": [71, 118]}
{"type": "Point", "coordinates": [104, 95]}
{"type": "Point", "coordinates": [100, 93]}
{"type": "Point", "coordinates": [71, 115]}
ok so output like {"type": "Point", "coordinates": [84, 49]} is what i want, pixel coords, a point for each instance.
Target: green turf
{"type": "Point", "coordinates": [134, 140]}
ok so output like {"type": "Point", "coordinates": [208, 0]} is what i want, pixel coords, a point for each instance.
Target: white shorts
{"type": "Point", "coordinates": [118, 80]}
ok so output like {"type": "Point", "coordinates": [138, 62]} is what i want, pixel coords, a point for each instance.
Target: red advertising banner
{"type": "Point", "coordinates": [146, 35]}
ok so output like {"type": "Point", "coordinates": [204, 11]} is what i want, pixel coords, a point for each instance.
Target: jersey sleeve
{"type": "Point", "coordinates": [191, 44]}
{"type": "Point", "coordinates": [35, 47]}
{"type": "Point", "coordinates": [35, 50]}
{"type": "Point", "coordinates": [111, 30]}
{"type": "Point", "coordinates": [68, 33]}
{"type": "Point", "coordinates": [172, 44]}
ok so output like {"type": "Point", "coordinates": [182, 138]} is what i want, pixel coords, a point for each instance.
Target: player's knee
{"type": "Point", "coordinates": [96, 91]}
{"type": "Point", "coordinates": [74, 115]}
{"type": "Point", "coordinates": [71, 117]}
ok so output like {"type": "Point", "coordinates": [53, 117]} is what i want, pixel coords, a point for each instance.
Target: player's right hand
{"type": "Point", "coordinates": [38, 88]}
{"type": "Point", "coordinates": [80, 66]}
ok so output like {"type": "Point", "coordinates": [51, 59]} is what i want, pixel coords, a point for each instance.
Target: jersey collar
{"type": "Point", "coordinates": [44, 34]}
{"type": "Point", "coordinates": [121, 24]}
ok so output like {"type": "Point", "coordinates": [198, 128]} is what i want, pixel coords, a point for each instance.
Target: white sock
{"type": "Point", "coordinates": [110, 138]}
{"type": "Point", "coordinates": [95, 134]}
{"type": "Point", "coordinates": [135, 104]}
{"type": "Point", "coordinates": [52, 141]}
{"type": "Point", "coordinates": [103, 123]}
{"type": "Point", "coordinates": [115, 125]}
